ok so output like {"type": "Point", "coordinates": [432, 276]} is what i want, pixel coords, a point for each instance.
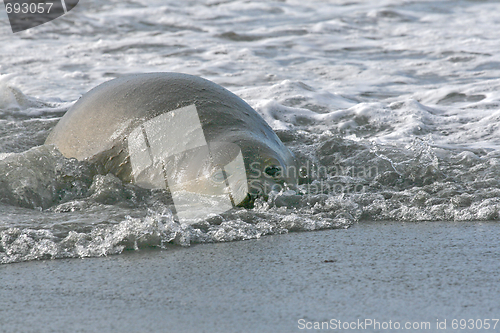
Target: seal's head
{"type": "Point", "coordinates": [178, 132]}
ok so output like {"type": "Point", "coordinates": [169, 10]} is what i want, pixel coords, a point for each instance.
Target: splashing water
{"type": "Point", "coordinates": [391, 108]}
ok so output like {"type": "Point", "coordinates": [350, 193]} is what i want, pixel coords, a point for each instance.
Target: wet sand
{"type": "Point", "coordinates": [398, 272]}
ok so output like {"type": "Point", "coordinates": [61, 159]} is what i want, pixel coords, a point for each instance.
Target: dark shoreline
{"type": "Point", "coordinates": [384, 271]}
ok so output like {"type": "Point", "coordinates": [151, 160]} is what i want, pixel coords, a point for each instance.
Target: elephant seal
{"type": "Point", "coordinates": [179, 132]}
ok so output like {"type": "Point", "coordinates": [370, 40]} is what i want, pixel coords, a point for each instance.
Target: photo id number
{"type": "Point", "coordinates": [31, 8]}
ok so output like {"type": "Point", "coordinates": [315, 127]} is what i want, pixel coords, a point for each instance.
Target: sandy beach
{"type": "Point", "coordinates": [398, 272]}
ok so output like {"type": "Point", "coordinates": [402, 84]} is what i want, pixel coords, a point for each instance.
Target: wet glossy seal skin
{"type": "Point", "coordinates": [193, 126]}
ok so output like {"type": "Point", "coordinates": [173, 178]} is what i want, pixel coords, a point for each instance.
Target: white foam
{"type": "Point", "coordinates": [382, 83]}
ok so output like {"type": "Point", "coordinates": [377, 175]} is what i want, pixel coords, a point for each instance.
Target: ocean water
{"type": "Point", "coordinates": [391, 106]}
